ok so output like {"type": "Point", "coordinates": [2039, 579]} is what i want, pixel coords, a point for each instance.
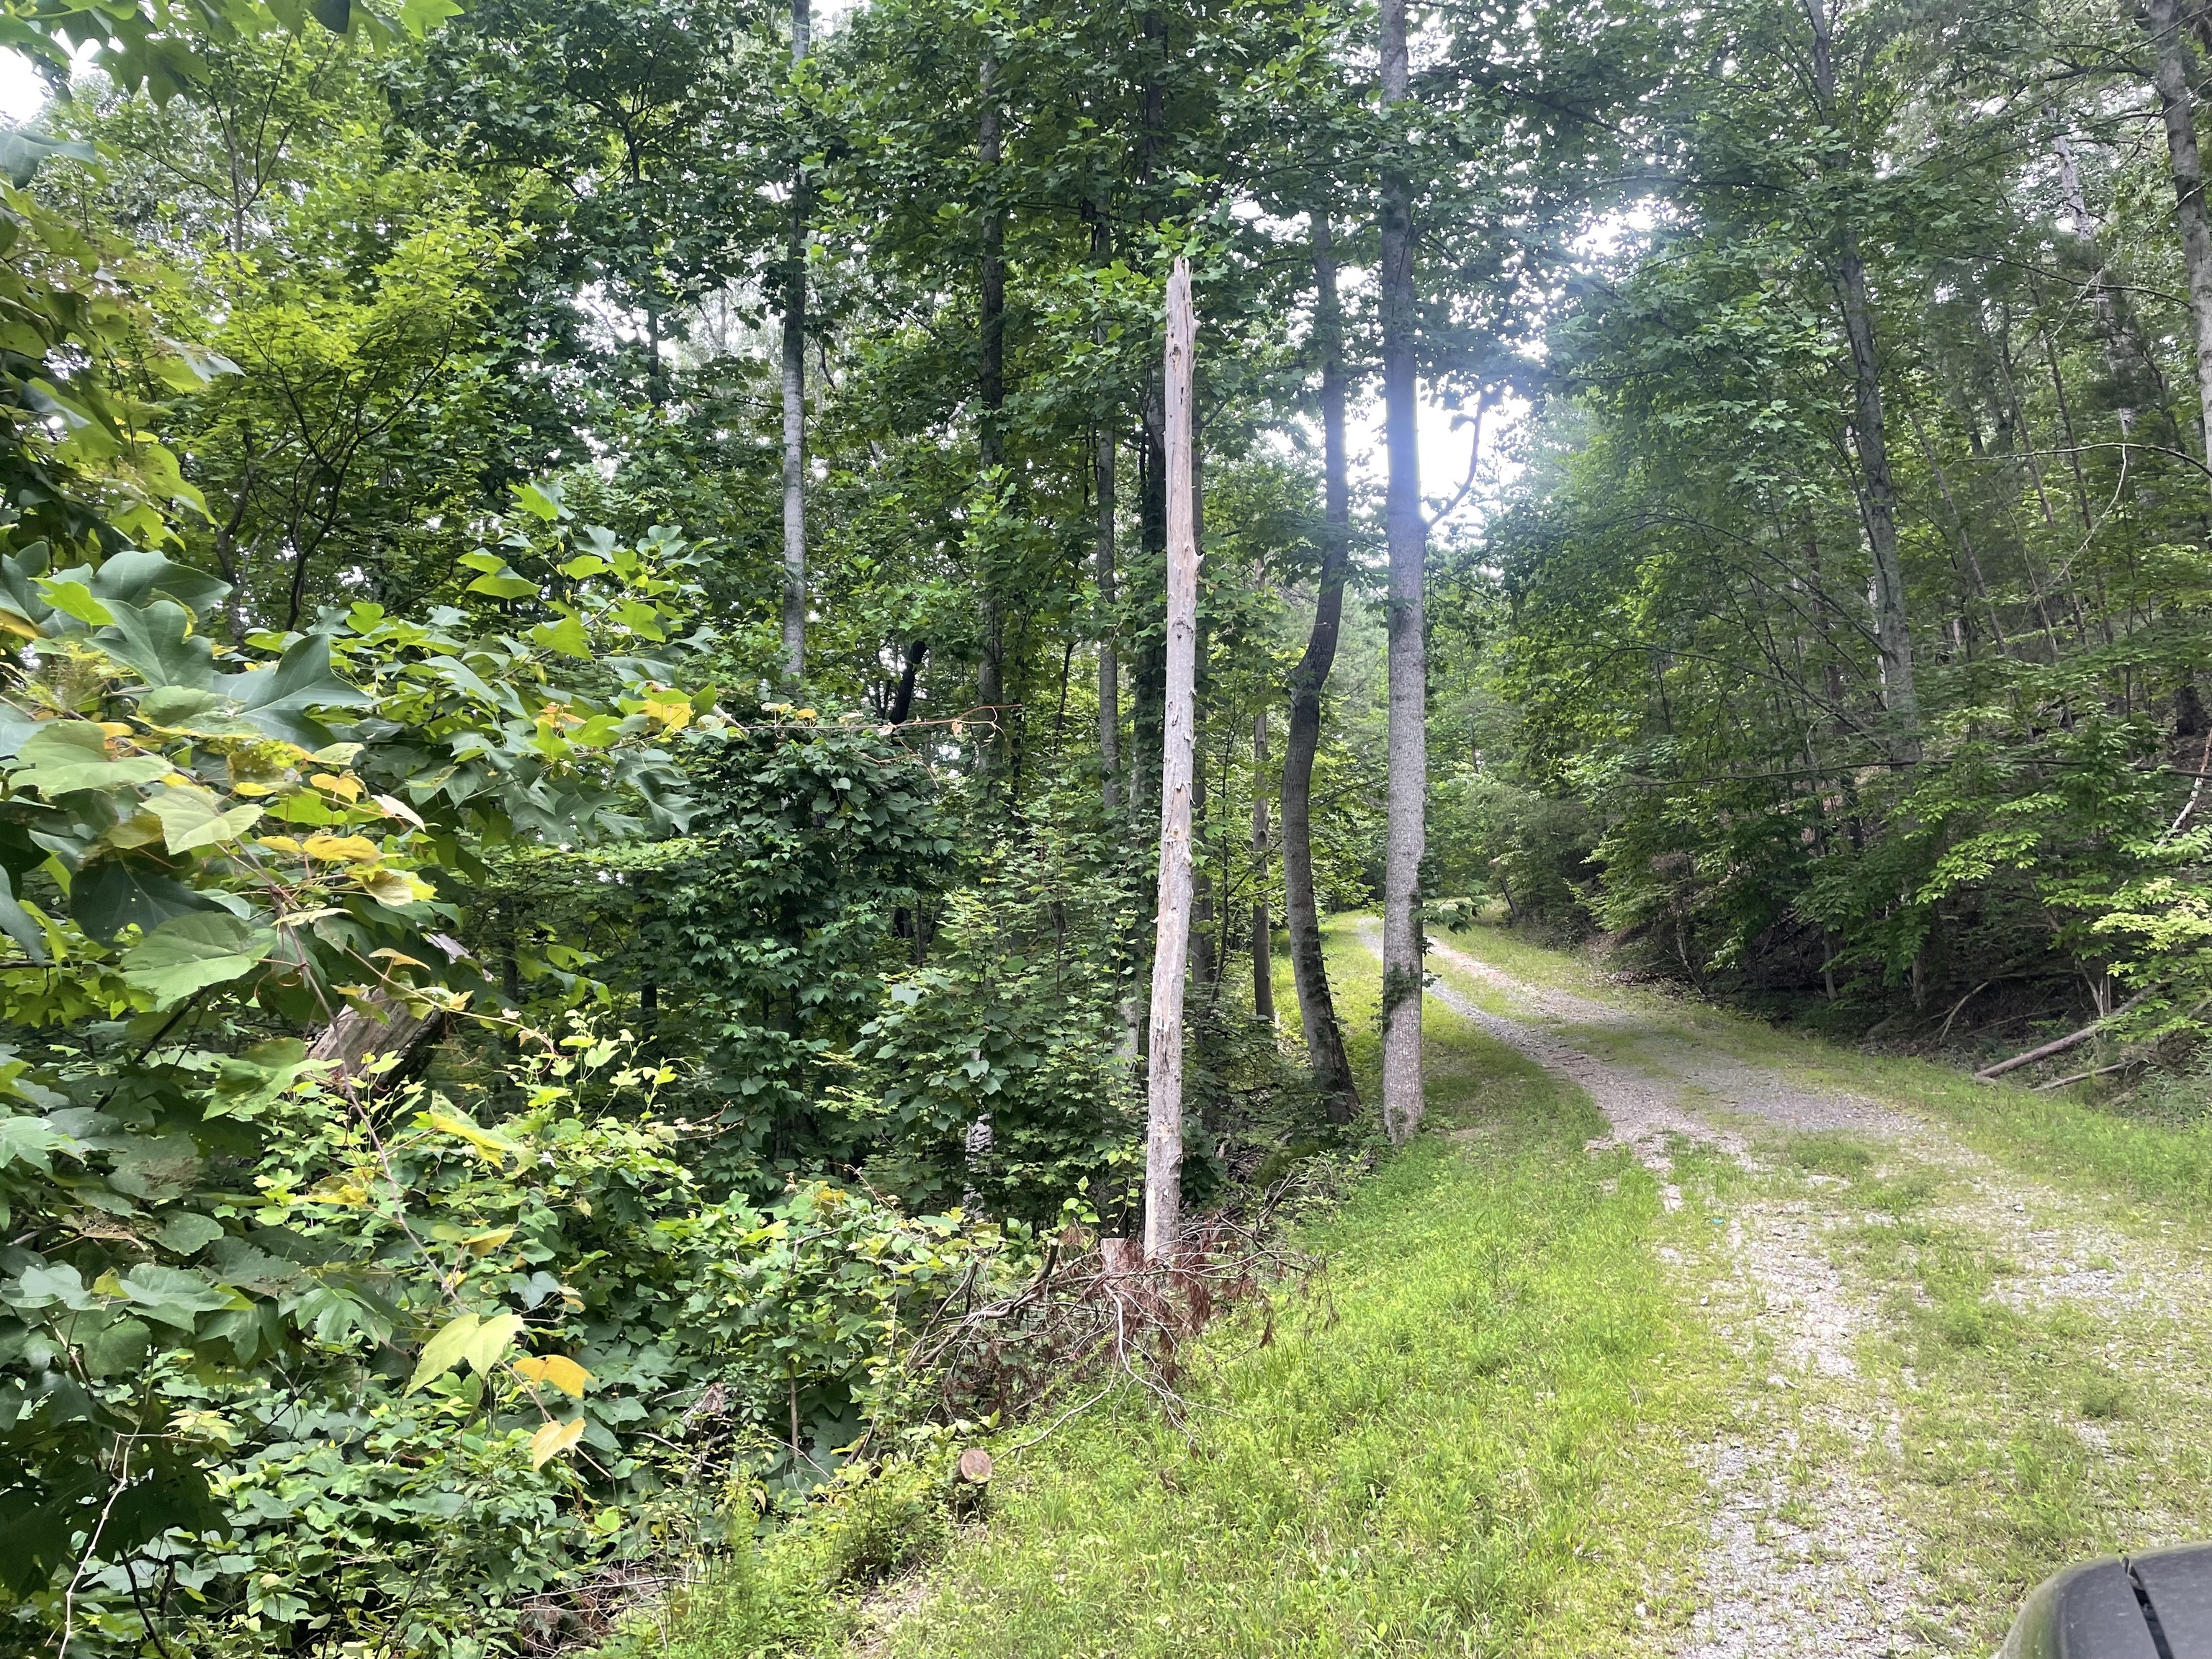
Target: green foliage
{"type": "Point", "coordinates": [1487, 1375]}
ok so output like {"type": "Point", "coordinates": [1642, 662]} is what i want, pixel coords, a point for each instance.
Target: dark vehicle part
{"type": "Point", "coordinates": [2154, 1605]}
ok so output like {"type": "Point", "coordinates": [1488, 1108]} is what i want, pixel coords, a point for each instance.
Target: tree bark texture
{"type": "Point", "coordinates": [1110, 665]}
{"type": "Point", "coordinates": [1406, 533]}
{"type": "Point", "coordinates": [1325, 1054]}
{"type": "Point", "coordinates": [1171, 939]}
{"type": "Point", "coordinates": [990, 438]}
{"type": "Point", "coordinates": [794, 401]}
{"type": "Point", "coordinates": [1263, 939]}
{"type": "Point", "coordinates": [2175, 59]}
{"type": "Point", "coordinates": [1877, 486]}
{"type": "Point", "coordinates": [359, 1036]}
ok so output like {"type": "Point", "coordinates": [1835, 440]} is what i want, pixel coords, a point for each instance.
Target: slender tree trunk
{"type": "Point", "coordinates": [794, 401]}
{"type": "Point", "coordinates": [1878, 487]}
{"type": "Point", "coordinates": [2175, 61]}
{"type": "Point", "coordinates": [1325, 1053]}
{"type": "Point", "coordinates": [1263, 939]}
{"type": "Point", "coordinates": [1205, 947]}
{"type": "Point", "coordinates": [1171, 940]}
{"type": "Point", "coordinates": [2111, 320]}
{"type": "Point", "coordinates": [990, 437]}
{"type": "Point", "coordinates": [1109, 665]}
{"type": "Point", "coordinates": [901, 705]}
{"type": "Point", "coordinates": [1407, 537]}
{"type": "Point", "coordinates": [1149, 679]}
{"type": "Point", "coordinates": [1965, 542]}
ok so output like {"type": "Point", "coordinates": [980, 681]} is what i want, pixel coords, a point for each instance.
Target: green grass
{"type": "Point", "coordinates": [2018, 1448]}
{"type": "Point", "coordinates": [2163, 1164]}
{"type": "Point", "coordinates": [1466, 1438]}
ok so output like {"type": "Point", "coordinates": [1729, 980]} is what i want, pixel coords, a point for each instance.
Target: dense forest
{"type": "Point", "coordinates": [590, 672]}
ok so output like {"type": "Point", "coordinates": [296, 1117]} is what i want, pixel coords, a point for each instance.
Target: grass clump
{"type": "Point", "coordinates": [1466, 1437]}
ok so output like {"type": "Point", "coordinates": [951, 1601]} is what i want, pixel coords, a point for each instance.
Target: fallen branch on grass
{"type": "Point", "coordinates": [2083, 1077]}
{"type": "Point", "coordinates": [2059, 1045]}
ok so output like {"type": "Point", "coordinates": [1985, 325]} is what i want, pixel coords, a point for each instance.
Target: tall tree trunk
{"type": "Point", "coordinates": [2123, 343]}
{"type": "Point", "coordinates": [990, 436]}
{"type": "Point", "coordinates": [794, 401]}
{"type": "Point", "coordinates": [1263, 939]}
{"type": "Point", "coordinates": [1407, 536]}
{"type": "Point", "coordinates": [1205, 957]}
{"type": "Point", "coordinates": [1171, 939]}
{"type": "Point", "coordinates": [1148, 682]}
{"type": "Point", "coordinates": [2176, 59]}
{"type": "Point", "coordinates": [1110, 666]}
{"type": "Point", "coordinates": [1878, 488]}
{"type": "Point", "coordinates": [1302, 916]}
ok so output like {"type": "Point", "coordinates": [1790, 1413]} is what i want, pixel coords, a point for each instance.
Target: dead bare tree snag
{"type": "Point", "coordinates": [1171, 936]}
{"type": "Point", "coordinates": [1407, 531]}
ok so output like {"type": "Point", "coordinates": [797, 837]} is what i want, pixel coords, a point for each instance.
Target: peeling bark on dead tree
{"type": "Point", "coordinates": [359, 1036]}
{"type": "Point", "coordinates": [1171, 936]}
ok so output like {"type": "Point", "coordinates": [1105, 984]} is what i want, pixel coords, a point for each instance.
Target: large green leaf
{"type": "Point", "coordinates": [16, 923]}
{"type": "Point", "coordinates": [72, 754]}
{"type": "Point", "coordinates": [138, 579]}
{"type": "Point", "coordinates": [115, 894]}
{"type": "Point", "coordinates": [158, 642]}
{"type": "Point", "coordinates": [276, 699]}
{"type": "Point", "coordinates": [22, 154]}
{"type": "Point", "coordinates": [193, 817]}
{"type": "Point", "coordinates": [191, 953]}
{"type": "Point", "coordinates": [175, 1295]}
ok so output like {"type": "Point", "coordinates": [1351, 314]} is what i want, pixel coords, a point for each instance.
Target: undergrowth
{"type": "Point", "coordinates": [1465, 1437]}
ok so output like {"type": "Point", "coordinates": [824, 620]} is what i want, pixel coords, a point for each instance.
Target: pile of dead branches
{"type": "Point", "coordinates": [1095, 1313]}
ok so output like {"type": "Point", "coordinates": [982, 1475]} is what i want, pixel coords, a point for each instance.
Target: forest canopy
{"type": "Point", "coordinates": [588, 681]}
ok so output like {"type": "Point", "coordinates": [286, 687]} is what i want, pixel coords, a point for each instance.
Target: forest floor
{"type": "Point", "coordinates": [1674, 1335]}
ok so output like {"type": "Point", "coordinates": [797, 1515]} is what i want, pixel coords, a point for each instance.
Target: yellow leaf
{"type": "Point", "coordinates": [342, 849]}
{"type": "Point", "coordinates": [116, 728]}
{"type": "Point", "coordinates": [552, 1440]}
{"type": "Point", "coordinates": [20, 625]}
{"type": "Point", "coordinates": [278, 844]}
{"type": "Point", "coordinates": [675, 716]}
{"type": "Point", "coordinates": [398, 958]}
{"type": "Point", "coordinates": [253, 788]}
{"type": "Point", "coordinates": [349, 786]}
{"type": "Point", "coordinates": [485, 1243]}
{"type": "Point", "coordinates": [336, 1190]}
{"type": "Point", "coordinates": [493, 1146]}
{"type": "Point", "coordinates": [558, 1370]}
{"type": "Point", "coordinates": [392, 887]}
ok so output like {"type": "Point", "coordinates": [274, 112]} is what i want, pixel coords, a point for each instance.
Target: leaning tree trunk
{"type": "Point", "coordinates": [1263, 952]}
{"type": "Point", "coordinates": [1406, 533]}
{"type": "Point", "coordinates": [2175, 60]}
{"type": "Point", "coordinates": [1325, 1053]}
{"type": "Point", "coordinates": [1171, 939]}
{"type": "Point", "coordinates": [990, 436]}
{"type": "Point", "coordinates": [794, 402]}
{"type": "Point", "coordinates": [1878, 488]}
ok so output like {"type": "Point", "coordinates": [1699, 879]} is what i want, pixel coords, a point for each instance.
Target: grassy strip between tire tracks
{"type": "Point", "coordinates": [1467, 1437]}
{"type": "Point", "coordinates": [2164, 1165]}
